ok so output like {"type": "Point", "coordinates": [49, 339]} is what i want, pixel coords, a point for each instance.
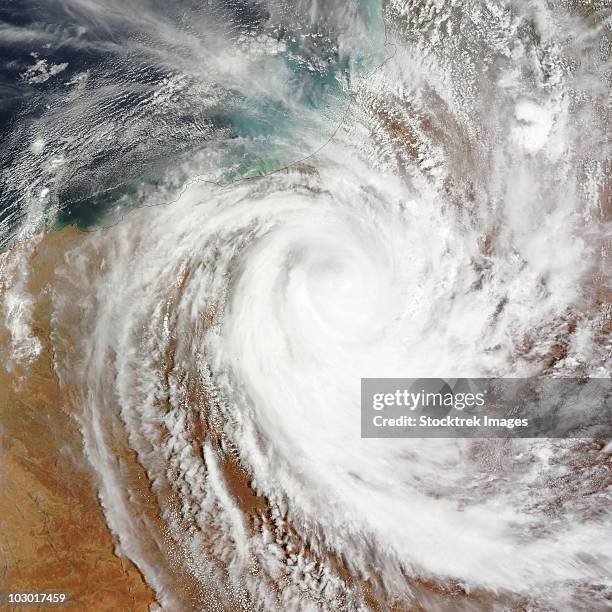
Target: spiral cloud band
{"type": "Point", "coordinates": [416, 189]}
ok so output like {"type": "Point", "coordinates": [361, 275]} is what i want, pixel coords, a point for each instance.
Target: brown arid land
{"type": "Point", "coordinates": [53, 532]}
{"type": "Point", "coordinates": [53, 535]}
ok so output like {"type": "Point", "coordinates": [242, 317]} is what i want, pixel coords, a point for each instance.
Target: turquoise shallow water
{"type": "Point", "coordinates": [140, 113]}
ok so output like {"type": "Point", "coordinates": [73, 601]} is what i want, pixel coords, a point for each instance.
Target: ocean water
{"type": "Point", "coordinates": [275, 199]}
{"type": "Point", "coordinates": [110, 103]}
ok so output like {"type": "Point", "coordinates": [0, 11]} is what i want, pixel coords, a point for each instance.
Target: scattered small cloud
{"type": "Point", "coordinates": [41, 71]}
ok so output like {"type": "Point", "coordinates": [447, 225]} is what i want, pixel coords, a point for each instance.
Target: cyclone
{"type": "Point", "coordinates": [218, 217]}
